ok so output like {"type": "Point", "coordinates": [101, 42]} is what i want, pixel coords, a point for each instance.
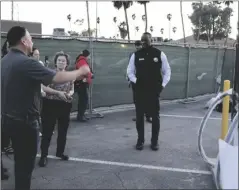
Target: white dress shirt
{"type": "Point", "coordinates": [166, 70]}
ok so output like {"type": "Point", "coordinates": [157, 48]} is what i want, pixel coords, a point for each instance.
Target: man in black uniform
{"type": "Point", "coordinates": [21, 79]}
{"type": "Point", "coordinates": [149, 70]}
{"type": "Point", "coordinates": [138, 46]}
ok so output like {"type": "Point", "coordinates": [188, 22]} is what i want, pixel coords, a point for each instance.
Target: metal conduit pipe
{"type": "Point", "coordinates": [215, 166]}
{"type": "Point", "coordinates": [201, 150]}
{"type": "Point", "coordinates": [228, 139]}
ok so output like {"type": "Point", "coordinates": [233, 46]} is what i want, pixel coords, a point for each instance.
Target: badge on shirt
{"type": "Point", "coordinates": [156, 59]}
{"type": "Point", "coordinates": [141, 59]}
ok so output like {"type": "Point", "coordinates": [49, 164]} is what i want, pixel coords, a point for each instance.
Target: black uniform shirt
{"type": "Point", "coordinates": [152, 64]}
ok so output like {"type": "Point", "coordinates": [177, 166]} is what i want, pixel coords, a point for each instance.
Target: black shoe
{"type": "Point", "coordinates": [154, 146]}
{"type": "Point", "coordinates": [139, 145]}
{"type": "Point", "coordinates": [4, 176]}
{"type": "Point", "coordinates": [148, 119]}
{"type": "Point", "coordinates": [43, 161]}
{"type": "Point", "coordinates": [62, 156]}
{"type": "Point", "coordinates": [134, 119]}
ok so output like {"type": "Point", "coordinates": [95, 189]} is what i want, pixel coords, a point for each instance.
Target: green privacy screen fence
{"type": "Point", "coordinates": [194, 70]}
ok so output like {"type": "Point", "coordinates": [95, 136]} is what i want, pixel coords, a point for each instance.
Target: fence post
{"type": "Point", "coordinates": [187, 99]}
{"type": "Point", "coordinates": [92, 113]}
{"type": "Point", "coordinates": [0, 30]}
{"type": "Point", "coordinates": [216, 84]}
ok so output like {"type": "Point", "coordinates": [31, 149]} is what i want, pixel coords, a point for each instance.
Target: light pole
{"type": "Point", "coordinates": [0, 29]}
{"type": "Point", "coordinates": [97, 20]}
{"type": "Point", "coordinates": [12, 9]}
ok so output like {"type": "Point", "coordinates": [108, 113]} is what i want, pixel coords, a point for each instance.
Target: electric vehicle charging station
{"type": "Point", "coordinates": [224, 167]}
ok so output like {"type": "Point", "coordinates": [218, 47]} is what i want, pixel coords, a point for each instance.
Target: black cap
{"type": "Point", "coordinates": [85, 53]}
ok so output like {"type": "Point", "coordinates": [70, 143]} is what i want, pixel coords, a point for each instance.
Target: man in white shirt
{"type": "Point", "coordinates": [149, 70]}
{"type": "Point", "coordinates": [138, 46]}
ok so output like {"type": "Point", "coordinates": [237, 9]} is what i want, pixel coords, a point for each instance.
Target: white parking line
{"type": "Point", "coordinates": [133, 165]}
{"type": "Point", "coordinates": [189, 116]}
{"type": "Point", "coordinates": [163, 115]}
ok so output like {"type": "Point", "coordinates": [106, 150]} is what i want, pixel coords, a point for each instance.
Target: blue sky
{"type": "Point", "coordinates": [53, 14]}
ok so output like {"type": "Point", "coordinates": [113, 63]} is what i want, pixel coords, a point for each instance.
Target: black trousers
{"type": "Point", "coordinates": [24, 136]}
{"type": "Point", "coordinates": [82, 92]}
{"type": "Point", "coordinates": [147, 102]}
{"type": "Point", "coordinates": [54, 111]}
{"type": "Point", "coordinates": [134, 99]}
{"type": "Point", "coordinates": [5, 141]}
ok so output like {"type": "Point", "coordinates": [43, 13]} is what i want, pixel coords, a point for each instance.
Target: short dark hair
{"type": "Point", "coordinates": [85, 53]}
{"type": "Point", "coordinates": [61, 53]}
{"type": "Point", "coordinates": [147, 33]}
{"type": "Point", "coordinates": [137, 43]}
{"type": "Point", "coordinates": [4, 49]}
{"type": "Point", "coordinates": [33, 49]}
{"type": "Point", "coordinates": [15, 34]}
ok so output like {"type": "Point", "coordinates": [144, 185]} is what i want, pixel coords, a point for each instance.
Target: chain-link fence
{"type": "Point", "coordinates": [194, 69]}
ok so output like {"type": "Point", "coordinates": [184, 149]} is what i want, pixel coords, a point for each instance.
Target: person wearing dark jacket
{"type": "Point", "coordinates": [21, 79]}
{"type": "Point", "coordinates": [149, 70]}
{"type": "Point", "coordinates": [138, 46]}
{"type": "Point", "coordinates": [82, 86]}
{"type": "Point", "coordinates": [5, 139]}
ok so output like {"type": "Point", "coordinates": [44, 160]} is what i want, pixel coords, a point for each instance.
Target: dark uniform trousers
{"type": "Point", "coordinates": [24, 135]}
{"type": "Point", "coordinates": [54, 111]}
{"type": "Point", "coordinates": [147, 102]}
{"type": "Point", "coordinates": [134, 98]}
{"type": "Point", "coordinates": [82, 92]}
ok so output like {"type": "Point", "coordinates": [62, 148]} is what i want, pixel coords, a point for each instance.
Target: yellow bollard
{"type": "Point", "coordinates": [225, 110]}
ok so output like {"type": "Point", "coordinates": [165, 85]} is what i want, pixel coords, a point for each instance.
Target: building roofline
{"type": "Point", "coordinates": [21, 21]}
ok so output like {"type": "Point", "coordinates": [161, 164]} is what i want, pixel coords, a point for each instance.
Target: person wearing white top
{"type": "Point", "coordinates": [149, 70]}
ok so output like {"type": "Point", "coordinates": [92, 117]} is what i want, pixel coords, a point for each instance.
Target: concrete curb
{"type": "Point", "coordinates": [127, 107]}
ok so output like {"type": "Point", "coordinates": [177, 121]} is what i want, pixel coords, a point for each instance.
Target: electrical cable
{"type": "Point", "coordinates": [215, 166]}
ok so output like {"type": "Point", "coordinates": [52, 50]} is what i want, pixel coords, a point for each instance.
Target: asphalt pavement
{"type": "Point", "coordinates": [103, 155]}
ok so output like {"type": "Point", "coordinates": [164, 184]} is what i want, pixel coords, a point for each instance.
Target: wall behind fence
{"type": "Point", "coordinates": [200, 65]}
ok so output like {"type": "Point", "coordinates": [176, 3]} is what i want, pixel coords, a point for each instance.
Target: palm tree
{"type": "Point", "coordinates": [181, 11]}
{"type": "Point", "coordinates": [137, 28]}
{"type": "Point", "coordinates": [133, 18]}
{"type": "Point", "coordinates": [145, 13]}
{"type": "Point", "coordinates": [115, 21]}
{"type": "Point", "coordinates": [79, 22]}
{"type": "Point", "coordinates": [85, 32]}
{"type": "Point", "coordinates": [151, 29]}
{"type": "Point", "coordinates": [174, 29]}
{"type": "Point", "coordinates": [169, 17]}
{"type": "Point", "coordinates": [161, 30]}
{"type": "Point", "coordinates": [97, 23]}
{"type": "Point", "coordinates": [123, 30]}
{"type": "Point", "coordinates": [125, 4]}
{"type": "Point", "coordinates": [69, 19]}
